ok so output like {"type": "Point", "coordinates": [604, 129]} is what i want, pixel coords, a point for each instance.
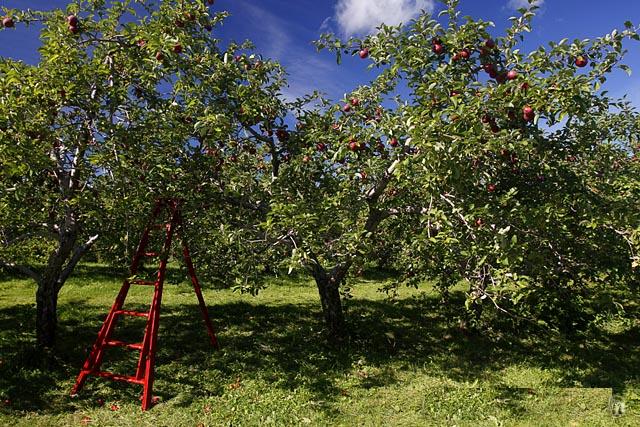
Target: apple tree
{"type": "Point", "coordinates": [129, 102]}
{"type": "Point", "coordinates": [512, 172]}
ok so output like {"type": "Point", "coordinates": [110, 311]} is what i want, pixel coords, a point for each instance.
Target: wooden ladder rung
{"type": "Point", "coordinates": [142, 282]}
{"type": "Point", "coordinates": [118, 377]}
{"type": "Point", "coordinates": [132, 313]}
{"type": "Point", "coordinates": [129, 345]}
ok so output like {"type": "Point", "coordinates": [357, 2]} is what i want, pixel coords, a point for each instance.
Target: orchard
{"type": "Point", "coordinates": [505, 180]}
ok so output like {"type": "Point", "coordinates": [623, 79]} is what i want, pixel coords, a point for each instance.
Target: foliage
{"type": "Point", "coordinates": [521, 184]}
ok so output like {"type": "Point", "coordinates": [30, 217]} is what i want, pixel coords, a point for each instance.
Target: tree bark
{"type": "Point", "coordinates": [46, 313]}
{"type": "Point", "coordinates": [329, 289]}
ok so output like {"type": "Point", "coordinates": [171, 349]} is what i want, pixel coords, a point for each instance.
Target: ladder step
{"type": "Point", "coordinates": [142, 282]}
{"type": "Point", "coordinates": [132, 313]}
{"type": "Point", "coordinates": [118, 377]}
{"type": "Point", "coordinates": [117, 343]}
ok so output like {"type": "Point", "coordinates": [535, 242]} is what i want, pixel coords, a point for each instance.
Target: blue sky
{"type": "Point", "coordinates": [284, 29]}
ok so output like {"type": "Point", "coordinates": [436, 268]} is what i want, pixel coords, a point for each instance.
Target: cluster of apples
{"type": "Point", "coordinates": [73, 24]}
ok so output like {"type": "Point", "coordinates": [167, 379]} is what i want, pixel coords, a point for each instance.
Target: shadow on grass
{"type": "Point", "coordinates": [285, 346]}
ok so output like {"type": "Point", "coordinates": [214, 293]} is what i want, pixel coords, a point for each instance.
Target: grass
{"type": "Point", "coordinates": [407, 363]}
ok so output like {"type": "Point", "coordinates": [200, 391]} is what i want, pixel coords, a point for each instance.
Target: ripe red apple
{"type": "Point", "coordinates": [159, 56]}
{"type": "Point", "coordinates": [100, 402]}
{"type": "Point", "coordinates": [491, 188]}
{"type": "Point", "coordinates": [438, 49]}
{"type": "Point", "coordinates": [581, 61]}
{"type": "Point", "coordinates": [456, 57]}
{"type": "Point", "coordinates": [393, 142]}
{"type": "Point", "coordinates": [353, 145]}
{"type": "Point", "coordinates": [72, 20]}
{"type": "Point", "coordinates": [364, 53]}
{"type": "Point", "coordinates": [114, 407]}
{"type": "Point", "coordinates": [494, 126]}
{"type": "Point", "coordinates": [465, 53]}
{"type": "Point", "coordinates": [528, 114]}
{"type": "Point", "coordinates": [501, 77]}
{"type": "Point", "coordinates": [335, 126]}
{"type": "Point", "coordinates": [489, 43]}
{"type": "Point", "coordinates": [73, 30]}
{"type": "Point", "coordinates": [355, 102]}
{"type": "Point", "coordinates": [141, 43]}
{"type": "Point", "coordinates": [524, 86]}
{"type": "Point", "coordinates": [190, 16]}
{"type": "Point", "coordinates": [320, 146]}
{"type": "Point", "coordinates": [306, 159]}
{"type": "Point", "coordinates": [177, 48]}
{"type": "Point", "coordinates": [512, 75]}
{"type": "Point", "coordinates": [7, 22]}
{"type": "Point", "coordinates": [346, 108]}
{"type": "Point", "coordinates": [479, 222]}
{"type": "Point", "coordinates": [486, 118]}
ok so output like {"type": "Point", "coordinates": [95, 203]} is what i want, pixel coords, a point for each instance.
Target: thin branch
{"type": "Point", "coordinates": [21, 269]}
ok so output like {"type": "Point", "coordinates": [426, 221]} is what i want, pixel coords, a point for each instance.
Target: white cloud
{"type": "Point", "coordinates": [363, 16]}
{"type": "Point", "coordinates": [517, 4]}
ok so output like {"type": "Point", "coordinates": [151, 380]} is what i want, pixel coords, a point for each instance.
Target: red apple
{"type": "Point", "coordinates": [114, 407]}
{"type": "Point", "coordinates": [355, 102]}
{"type": "Point", "coordinates": [141, 43]}
{"type": "Point", "coordinates": [581, 61]}
{"type": "Point", "coordinates": [465, 53]}
{"type": "Point", "coordinates": [438, 49]}
{"type": "Point", "coordinates": [100, 402]}
{"type": "Point", "coordinates": [320, 146]}
{"type": "Point", "coordinates": [159, 56]}
{"type": "Point", "coordinates": [524, 86]}
{"type": "Point", "coordinates": [353, 145]}
{"type": "Point", "coordinates": [7, 22]}
{"type": "Point", "coordinates": [486, 118]}
{"type": "Point", "coordinates": [190, 16]}
{"type": "Point", "coordinates": [306, 159]}
{"type": "Point", "coordinates": [72, 20]}
{"type": "Point", "coordinates": [528, 114]}
{"type": "Point", "coordinates": [335, 126]}
{"type": "Point", "coordinates": [491, 188]}
{"type": "Point", "coordinates": [489, 43]}
{"type": "Point", "coordinates": [346, 108]}
{"type": "Point", "coordinates": [456, 57]}
{"type": "Point", "coordinates": [512, 75]}
{"type": "Point", "coordinates": [393, 142]}
{"type": "Point", "coordinates": [177, 48]}
{"type": "Point", "coordinates": [479, 222]}
{"type": "Point", "coordinates": [74, 30]}
{"type": "Point", "coordinates": [364, 53]}
{"type": "Point", "coordinates": [501, 77]}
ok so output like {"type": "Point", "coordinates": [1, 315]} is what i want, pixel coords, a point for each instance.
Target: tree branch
{"type": "Point", "coordinates": [78, 253]}
{"type": "Point", "coordinates": [20, 269]}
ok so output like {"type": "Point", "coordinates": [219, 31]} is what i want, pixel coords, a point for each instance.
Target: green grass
{"type": "Point", "coordinates": [406, 363]}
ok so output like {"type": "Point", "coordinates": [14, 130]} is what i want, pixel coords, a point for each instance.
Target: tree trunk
{"type": "Point", "coordinates": [329, 290]}
{"type": "Point", "coordinates": [46, 313]}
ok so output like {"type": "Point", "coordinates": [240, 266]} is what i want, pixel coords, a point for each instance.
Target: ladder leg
{"type": "Point", "coordinates": [149, 362]}
{"type": "Point", "coordinates": [196, 287]}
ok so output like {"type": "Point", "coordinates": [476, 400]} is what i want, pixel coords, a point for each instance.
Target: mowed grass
{"type": "Point", "coordinates": [407, 363]}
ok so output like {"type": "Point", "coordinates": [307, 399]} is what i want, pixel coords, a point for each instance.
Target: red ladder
{"type": "Point", "coordinates": [145, 369]}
